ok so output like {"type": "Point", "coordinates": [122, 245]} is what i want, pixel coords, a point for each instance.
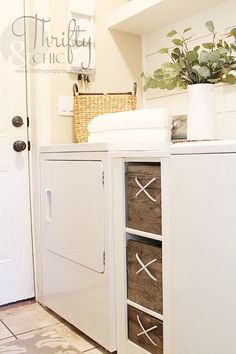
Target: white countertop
{"type": "Point", "coordinates": [198, 147]}
{"type": "Point", "coordinates": [204, 147]}
{"type": "Point", "coordinates": [103, 147]}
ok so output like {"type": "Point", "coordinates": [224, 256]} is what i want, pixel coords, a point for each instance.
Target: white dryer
{"type": "Point", "coordinates": [77, 238]}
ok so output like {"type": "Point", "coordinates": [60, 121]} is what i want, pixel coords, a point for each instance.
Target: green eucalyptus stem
{"type": "Point", "coordinates": [211, 62]}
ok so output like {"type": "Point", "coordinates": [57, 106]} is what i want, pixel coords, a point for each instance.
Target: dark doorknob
{"type": "Point", "coordinates": [19, 145]}
{"type": "Point", "coordinates": [17, 121]}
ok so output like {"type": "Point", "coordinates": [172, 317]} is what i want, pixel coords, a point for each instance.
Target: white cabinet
{"type": "Point", "coordinates": [203, 223]}
{"type": "Point", "coordinates": [87, 214]}
{"type": "Point", "coordinates": [141, 243]}
{"type": "Point", "coordinates": [77, 240]}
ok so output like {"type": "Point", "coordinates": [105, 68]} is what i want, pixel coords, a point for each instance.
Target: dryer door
{"type": "Point", "coordinates": [73, 211]}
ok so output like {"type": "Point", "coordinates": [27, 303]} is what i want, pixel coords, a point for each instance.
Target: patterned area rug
{"type": "Point", "coordinates": [44, 342]}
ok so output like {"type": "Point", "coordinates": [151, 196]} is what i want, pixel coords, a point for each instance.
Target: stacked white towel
{"type": "Point", "coordinates": [144, 125]}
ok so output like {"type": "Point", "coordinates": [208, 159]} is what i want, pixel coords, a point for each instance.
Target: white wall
{"type": "Point", "coordinates": [118, 63]}
{"type": "Point", "coordinates": [223, 15]}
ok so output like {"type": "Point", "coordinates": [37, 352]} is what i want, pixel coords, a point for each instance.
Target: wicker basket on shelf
{"type": "Point", "coordinates": [89, 105]}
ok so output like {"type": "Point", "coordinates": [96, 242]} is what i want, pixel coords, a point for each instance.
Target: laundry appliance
{"type": "Point", "coordinates": [77, 238]}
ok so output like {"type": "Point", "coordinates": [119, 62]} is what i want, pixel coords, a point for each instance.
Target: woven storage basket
{"type": "Point", "coordinates": [89, 105]}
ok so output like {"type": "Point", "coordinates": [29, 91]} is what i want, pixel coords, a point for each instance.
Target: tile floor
{"type": "Point", "coordinates": [18, 320]}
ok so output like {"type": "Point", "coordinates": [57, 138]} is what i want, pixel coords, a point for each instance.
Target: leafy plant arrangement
{"type": "Point", "coordinates": [212, 62]}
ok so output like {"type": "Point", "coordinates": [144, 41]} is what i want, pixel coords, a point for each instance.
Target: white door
{"type": "Point", "coordinates": [16, 265]}
{"type": "Point", "coordinates": [73, 211]}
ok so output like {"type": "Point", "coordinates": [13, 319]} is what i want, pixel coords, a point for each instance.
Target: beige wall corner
{"type": "Point", "coordinates": [118, 64]}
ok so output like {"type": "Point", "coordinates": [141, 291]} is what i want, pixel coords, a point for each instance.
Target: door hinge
{"type": "Point", "coordinates": [104, 258]}
{"type": "Point", "coordinates": [103, 177]}
{"type": "Point", "coordinates": [29, 145]}
{"type": "Point", "coordinates": [28, 121]}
